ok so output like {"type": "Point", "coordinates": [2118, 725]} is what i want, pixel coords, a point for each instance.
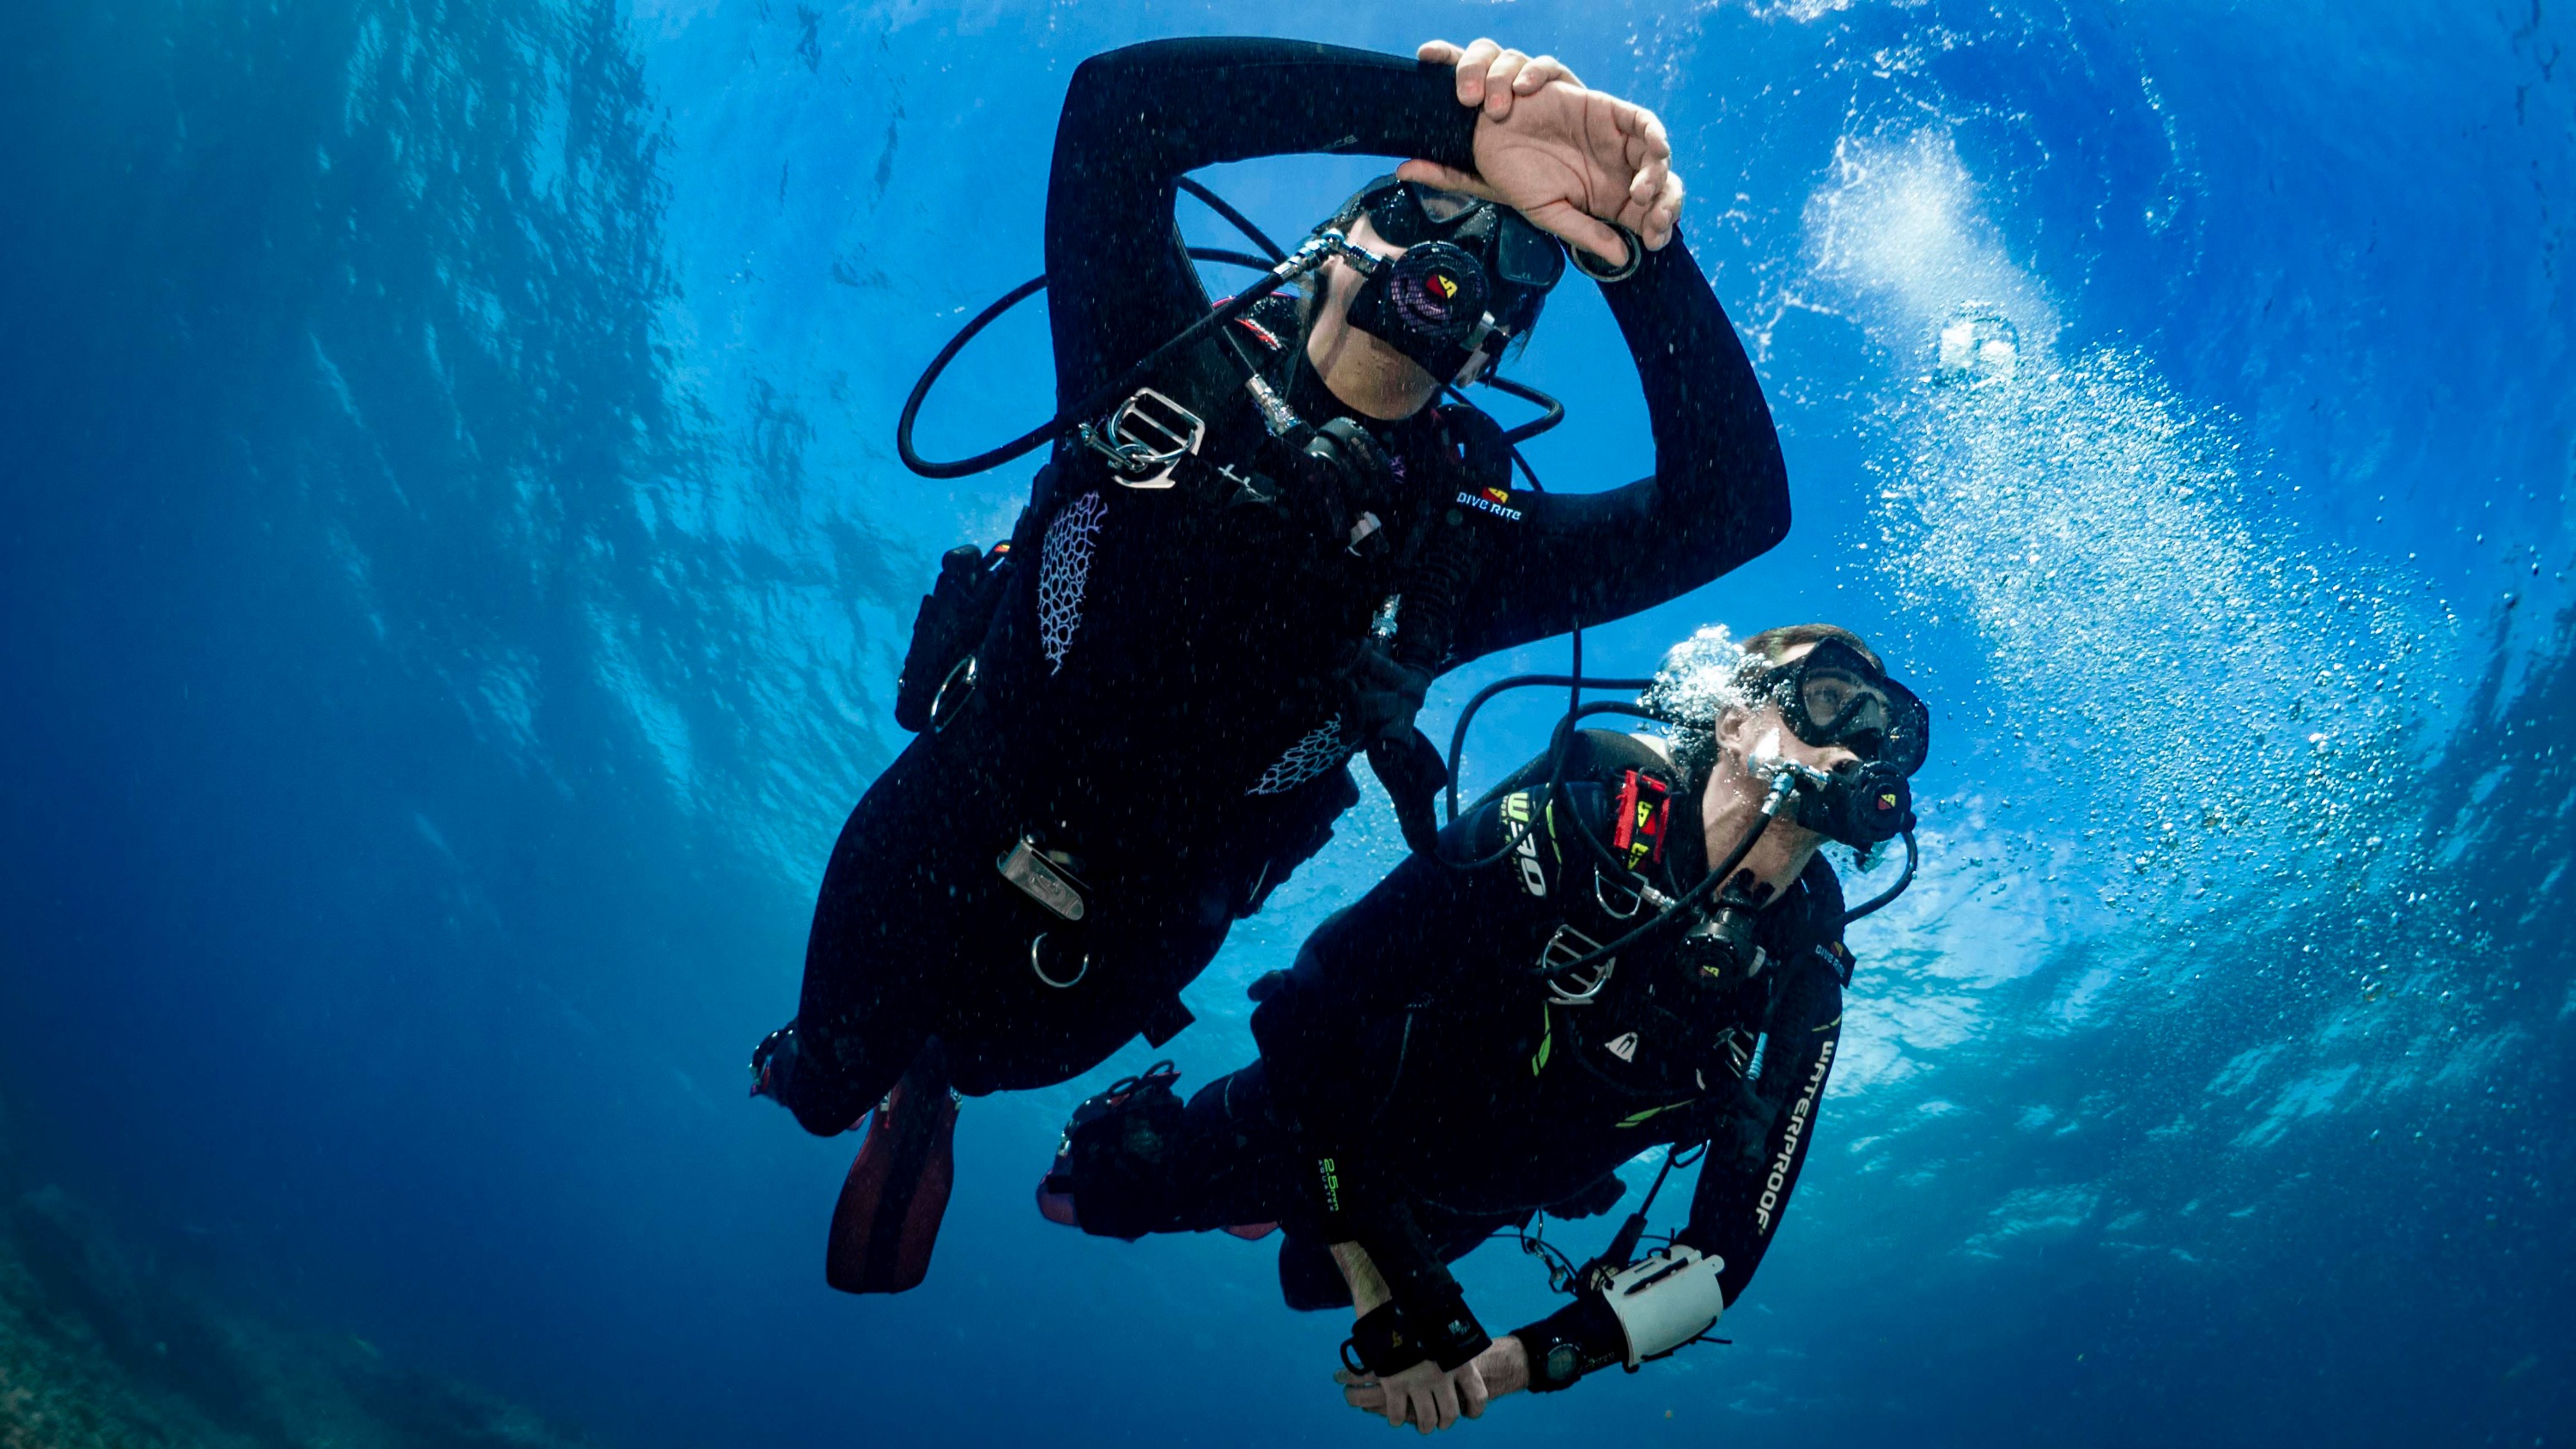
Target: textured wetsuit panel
{"type": "Point", "coordinates": [1064, 567]}
{"type": "Point", "coordinates": [1320, 751]}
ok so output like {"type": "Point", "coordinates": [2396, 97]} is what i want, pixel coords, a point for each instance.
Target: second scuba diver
{"type": "Point", "coordinates": [1137, 717]}
{"type": "Point", "coordinates": [1461, 1050]}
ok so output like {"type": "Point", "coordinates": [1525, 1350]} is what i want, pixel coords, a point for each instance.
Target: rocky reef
{"type": "Point", "coordinates": [103, 1348]}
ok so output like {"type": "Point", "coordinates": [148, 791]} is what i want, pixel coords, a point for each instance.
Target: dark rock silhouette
{"type": "Point", "coordinates": [101, 1348]}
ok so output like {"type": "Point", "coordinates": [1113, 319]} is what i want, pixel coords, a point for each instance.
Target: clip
{"type": "Point", "coordinates": [1630, 899]}
{"type": "Point", "coordinates": [1042, 880]}
{"type": "Point", "coordinates": [1037, 965]}
{"type": "Point", "coordinates": [1145, 438]}
{"type": "Point", "coordinates": [961, 678]}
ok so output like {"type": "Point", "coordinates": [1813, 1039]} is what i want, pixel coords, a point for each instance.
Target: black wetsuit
{"type": "Point", "coordinates": [1414, 1043]}
{"type": "Point", "coordinates": [1158, 695]}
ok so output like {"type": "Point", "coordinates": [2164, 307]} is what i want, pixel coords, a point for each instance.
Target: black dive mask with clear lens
{"type": "Point", "coordinates": [1474, 276]}
{"type": "Point", "coordinates": [1833, 695]}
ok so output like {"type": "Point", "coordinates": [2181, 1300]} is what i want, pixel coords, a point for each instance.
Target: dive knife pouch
{"type": "Point", "coordinates": [953, 618]}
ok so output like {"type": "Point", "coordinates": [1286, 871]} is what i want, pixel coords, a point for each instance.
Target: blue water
{"type": "Point", "coordinates": [454, 568]}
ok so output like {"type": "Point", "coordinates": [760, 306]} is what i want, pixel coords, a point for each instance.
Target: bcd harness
{"type": "Point", "coordinates": [1335, 485]}
{"type": "Point", "coordinates": [1728, 962]}
{"type": "Point", "coordinates": [1731, 966]}
{"type": "Point", "coordinates": [1630, 1308]}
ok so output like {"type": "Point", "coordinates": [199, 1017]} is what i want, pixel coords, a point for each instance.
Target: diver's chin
{"type": "Point", "coordinates": [1788, 831]}
{"type": "Point", "coordinates": [1372, 378]}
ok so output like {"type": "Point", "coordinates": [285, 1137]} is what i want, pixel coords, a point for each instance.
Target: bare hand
{"type": "Point", "coordinates": [1567, 158]}
{"type": "Point", "coordinates": [1501, 1369]}
{"type": "Point", "coordinates": [1492, 76]}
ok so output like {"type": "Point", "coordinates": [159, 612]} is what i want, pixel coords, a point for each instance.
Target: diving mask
{"type": "Point", "coordinates": [1833, 695]}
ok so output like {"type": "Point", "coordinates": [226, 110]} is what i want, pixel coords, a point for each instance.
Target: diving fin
{"type": "Point", "coordinates": [887, 1220]}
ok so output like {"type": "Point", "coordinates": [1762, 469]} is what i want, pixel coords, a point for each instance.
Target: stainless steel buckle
{"type": "Point", "coordinates": [1145, 438]}
{"type": "Point", "coordinates": [1042, 880]}
{"type": "Point", "coordinates": [1562, 950]}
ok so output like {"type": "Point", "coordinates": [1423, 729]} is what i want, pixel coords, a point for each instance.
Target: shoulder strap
{"type": "Point", "coordinates": [1433, 583]}
{"type": "Point", "coordinates": [1812, 931]}
{"type": "Point", "coordinates": [1603, 754]}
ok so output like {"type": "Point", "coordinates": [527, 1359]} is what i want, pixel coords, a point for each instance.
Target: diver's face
{"type": "Point", "coordinates": [1759, 729]}
{"type": "Point", "coordinates": [1363, 371]}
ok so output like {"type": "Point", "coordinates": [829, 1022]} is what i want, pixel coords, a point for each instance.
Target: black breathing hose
{"type": "Point", "coordinates": [1556, 749]}
{"type": "Point", "coordinates": [1101, 397]}
{"type": "Point", "coordinates": [1236, 219]}
{"type": "Point", "coordinates": [1467, 716]}
{"type": "Point", "coordinates": [1554, 413]}
{"type": "Point", "coordinates": [1127, 382]}
{"type": "Point", "coordinates": [1913, 857]}
{"type": "Point", "coordinates": [1681, 907]}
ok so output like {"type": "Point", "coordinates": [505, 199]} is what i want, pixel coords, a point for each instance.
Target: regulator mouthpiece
{"type": "Point", "coordinates": [1433, 305]}
{"type": "Point", "coordinates": [1860, 804]}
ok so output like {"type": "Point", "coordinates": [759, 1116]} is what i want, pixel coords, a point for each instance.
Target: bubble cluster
{"type": "Point", "coordinates": [2212, 707]}
{"type": "Point", "coordinates": [1698, 678]}
{"type": "Point", "coordinates": [2201, 702]}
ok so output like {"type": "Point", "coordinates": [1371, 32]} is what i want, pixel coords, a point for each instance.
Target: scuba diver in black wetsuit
{"type": "Point", "coordinates": [1244, 563]}
{"type": "Point", "coordinates": [1463, 1049]}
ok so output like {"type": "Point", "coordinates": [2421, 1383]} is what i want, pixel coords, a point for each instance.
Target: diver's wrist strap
{"type": "Point", "coordinates": [1380, 1343]}
{"type": "Point", "coordinates": [1571, 1342]}
{"type": "Point", "coordinates": [1394, 1336]}
{"type": "Point", "coordinates": [1450, 1334]}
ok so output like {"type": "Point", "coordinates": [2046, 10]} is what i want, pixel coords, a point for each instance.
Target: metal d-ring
{"type": "Point", "coordinates": [961, 677]}
{"type": "Point", "coordinates": [1038, 966]}
{"type": "Point", "coordinates": [1604, 888]}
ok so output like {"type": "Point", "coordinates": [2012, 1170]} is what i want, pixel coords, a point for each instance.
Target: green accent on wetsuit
{"type": "Point", "coordinates": [1639, 1119]}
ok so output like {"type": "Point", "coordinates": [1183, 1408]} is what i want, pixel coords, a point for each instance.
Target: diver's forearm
{"type": "Point", "coordinates": [1170, 106]}
{"type": "Point", "coordinates": [1137, 118]}
{"type": "Point", "coordinates": [1720, 480]}
{"type": "Point", "coordinates": [1368, 1286]}
{"type": "Point", "coordinates": [1743, 1194]}
{"type": "Point", "coordinates": [1718, 497]}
